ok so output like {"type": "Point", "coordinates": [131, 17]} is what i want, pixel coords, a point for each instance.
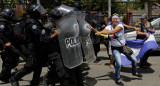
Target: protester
{"type": "Point", "coordinates": [145, 28]}
{"type": "Point", "coordinates": [117, 30]}
{"type": "Point", "coordinates": [108, 43]}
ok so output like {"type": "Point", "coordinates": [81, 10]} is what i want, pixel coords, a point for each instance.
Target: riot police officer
{"type": "Point", "coordinates": [76, 72]}
{"type": "Point", "coordinates": [58, 13]}
{"type": "Point", "coordinates": [98, 24]}
{"type": "Point", "coordinates": [9, 58]}
{"type": "Point", "coordinates": [33, 30]}
{"type": "Point", "coordinates": [57, 70]}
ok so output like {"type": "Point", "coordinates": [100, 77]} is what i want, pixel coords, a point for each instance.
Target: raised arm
{"type": "Point", "coordinates": [129, 27]}
{"type": "Point", "coordinates": [116, 30]}
{"type": "Point", "coordinates": [94, 30]}
{"type": "Point", "coordinates": [55, 34]}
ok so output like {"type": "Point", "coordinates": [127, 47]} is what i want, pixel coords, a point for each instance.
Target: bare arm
{"type": "Point", "coordinates": [152, 30]}
{"type": "Point", "coordinates": [116, 30]}
{"type": "Point", "coordinates": [55, 34]}
{"type": "Point", "coordinates": [141, 33]}
{"type": "Point", "coordinates": [94, 30]}
{"type": "Point", "coordinates": [104, 31]}
{"type": "Point", "coordinates": [129, 27]}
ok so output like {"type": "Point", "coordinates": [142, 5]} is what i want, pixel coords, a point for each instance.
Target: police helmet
{"type": "Point", "coordinates": [55, 14]}
{"type": "Point", "coordinates": [35, 10]}
{"type": "Point", "coordinates": [8, 13]}
{"type": "Point", "coordinates": [100, 13]}
{"type": "Point", "coordinates": [78, 5]}
{"type": "Point", "coordinates": [62, 10]}
{"type": "Point", "coordinates": [98, 18]}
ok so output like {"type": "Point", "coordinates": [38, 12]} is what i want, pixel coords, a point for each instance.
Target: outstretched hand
{"type": "Point", "coordinates": [8, 44]}
{"type": "Point", "coordinates": [98, 33]}
{"type": "Point", "coordinates": [89, 25]}
{"type": "Point", "coordinates": [137, 29]}
{"type": "Point", "coordinates": [56, 31]}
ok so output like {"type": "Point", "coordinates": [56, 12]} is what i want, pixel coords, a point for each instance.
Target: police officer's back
{"type": "Point", "coordinates": [6, 17]}
{"type": "Point", "coordinates": [9, 58]}
{"type": "Point", "coordinates": [33, 31]}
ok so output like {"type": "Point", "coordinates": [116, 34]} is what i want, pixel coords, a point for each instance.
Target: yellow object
{"type": "Point", "coordinates": [21, 9]}
{"type": "Point", "coordinates": [105, 19]}
{"type": "Point", "coordinates": [104, 35]}
{"type": "Point", "coordinates": [24, 10]}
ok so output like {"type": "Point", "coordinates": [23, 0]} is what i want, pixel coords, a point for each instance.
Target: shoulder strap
{"type": "Point", "coordinates": [119, 41]}
{"type": "Point", "coordinates": [116, 38]}
{"type": "Point", "coordinates": [151, 27]}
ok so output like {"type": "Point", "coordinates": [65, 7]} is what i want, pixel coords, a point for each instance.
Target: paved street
{"type": "Point", "coordinates": [102, 75]}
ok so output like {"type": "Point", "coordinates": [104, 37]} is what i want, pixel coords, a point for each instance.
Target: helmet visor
{"type": "Point", "coordinates": [63, 9]}
{"type": "Point", "coordinates": [40, 9]}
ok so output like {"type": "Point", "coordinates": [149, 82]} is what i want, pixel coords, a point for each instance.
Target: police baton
{"type": "Point", "coordinates": [13, 49]}
{"type": "Point", "coordinates": [17, 52]}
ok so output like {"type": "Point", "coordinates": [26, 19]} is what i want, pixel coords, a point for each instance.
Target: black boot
{"type": "Point", "coordinates": [82, 84]}
{"type": "Point", "coordinates": [34, 83]}
{"type": "Point", "coordinates": [47, 82]}
{"type": "Point", "coordinates": [13, 82]}
{"type": "Point", "coordinates": [5, 74]}
{"type": "Point", "coordinates": [18, 75]}
{"type": "Point", "coordinates": [3, 79]}
{"type": "Point", "coordinates": [36, 77]}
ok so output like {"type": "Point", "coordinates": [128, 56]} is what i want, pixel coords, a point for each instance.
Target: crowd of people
{"type": "Point", "coordinates": [69, 38]}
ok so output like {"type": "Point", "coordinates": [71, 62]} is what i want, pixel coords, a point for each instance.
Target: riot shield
{"type": "Point", "coordinates": [79, 15]}
{"type": "Point", "coordinates": [69, 41]}
{"type": "Point", "coordinates": [64, 9]}
{"type": "Point", "coordinates": [85, 39]}
{"type": "Point", "coordinates": [40, 9]}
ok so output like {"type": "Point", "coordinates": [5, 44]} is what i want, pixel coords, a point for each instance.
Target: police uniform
{"type": "Point", "coordinates": [33, 30]}
{"type": "Point", "coordinates": [76, 73]}
{"type": "Point", "coordinates": [96, 39]}
{"type": "Point", "coordinates": [57, 70]}
{"type": "Point", "coordinates": [9, 58]}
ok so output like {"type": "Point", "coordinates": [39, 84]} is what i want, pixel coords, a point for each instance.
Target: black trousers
{"type": "Point", "coordinates": [144, 58]}
{"type": "Point", "coordinates": [57, 70]}
{"type": "Point", "coordinates": [10, 61]}
{"type": "Point", "coordinates": [96, 48]}
{"type": "Point", "coordinates": [76, 76]}
{"type": "Point", "coordinates": [33, 64]}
